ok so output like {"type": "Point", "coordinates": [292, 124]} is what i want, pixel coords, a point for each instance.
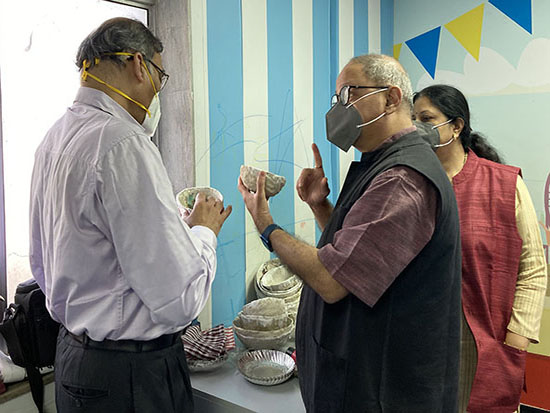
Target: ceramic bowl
{"type": "Point", "coordinates": [240, 330]}
{"type": "Point", "coordinates": [290, 300]}
{"type": "Point", "coordinates": [262, 323]}
{"type": "Point", "coordinates": [273, 183]}
{"type": "Point", "coordinates": [265, 342]}
{"type": "Point", "coordinates": [279, 294]}
{"type": "Point", "coordinates": [278, 279]}
{"type": "Point", "coordinates": [268, 265]}
{"type": "Point", "coordinates": [186, 197]}
{"type": "Point", "coordinates": [265, 307]}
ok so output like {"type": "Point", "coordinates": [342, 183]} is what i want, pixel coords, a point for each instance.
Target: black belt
{"type": "Point", "coordinates": [133, 346]}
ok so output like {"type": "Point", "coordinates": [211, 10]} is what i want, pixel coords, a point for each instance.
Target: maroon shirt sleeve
{"type": "Point", "coordinates": [382, 233]}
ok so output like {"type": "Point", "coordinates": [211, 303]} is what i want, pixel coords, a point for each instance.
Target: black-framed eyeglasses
{"type": "Point", "coordinates": [162, 74]}
{"type": "Point", "coordinates": [343, 96]}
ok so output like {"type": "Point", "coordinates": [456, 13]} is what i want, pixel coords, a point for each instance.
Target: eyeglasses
{"type": "Point", "coordinates": [162, 74]}
{"type": "Point", "coordinates": [343, 96]}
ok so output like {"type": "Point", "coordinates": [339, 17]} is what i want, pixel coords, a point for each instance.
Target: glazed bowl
{"type": "Point", "coordinates": [186, 197]}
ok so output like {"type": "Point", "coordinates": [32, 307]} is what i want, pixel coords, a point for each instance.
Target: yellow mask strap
{"type": "Point", "coordinates": [85, 74]}
{"type": "Point", "coordinates": [143, 63]}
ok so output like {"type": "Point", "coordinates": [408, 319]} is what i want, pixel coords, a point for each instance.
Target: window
{"type": "Point", "coordinates": [38, 81]}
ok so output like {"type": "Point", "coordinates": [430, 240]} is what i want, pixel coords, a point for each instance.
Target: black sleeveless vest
{"type": "Point", "coordinates": [402, 354]}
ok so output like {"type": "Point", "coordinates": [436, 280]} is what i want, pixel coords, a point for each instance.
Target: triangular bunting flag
{"type": "Point", "coordinates": [467, 30]}
{"type": "Point", "coordinates": [397, 50]}
{"type": "Point", "coordinates": [425, 49]}
{"type": "Point", "coordinates": [519, 11]}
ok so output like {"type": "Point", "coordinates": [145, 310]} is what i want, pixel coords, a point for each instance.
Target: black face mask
{"type": "Point", "coordinates": [428, 133]}
{"type": "Point", "coordinates": [344, 123]}
{"type": "Point", "coordinates": [342, 128]}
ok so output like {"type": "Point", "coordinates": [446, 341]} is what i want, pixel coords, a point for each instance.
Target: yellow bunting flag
{"type": "Point", "coordinates": [397, 50]}
{"type": "Point", "coordinates": [467, 30]}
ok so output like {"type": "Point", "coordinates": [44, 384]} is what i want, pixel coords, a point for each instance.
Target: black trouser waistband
{"type": "Point", "coordinates": [133, 346]}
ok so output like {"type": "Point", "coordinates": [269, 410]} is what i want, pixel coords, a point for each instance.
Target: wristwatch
{"type": "Point", "coordinates": [264, 236]}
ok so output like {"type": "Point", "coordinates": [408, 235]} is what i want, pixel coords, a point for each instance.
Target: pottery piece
{"type": "Point", "coordinates": [273, 183]}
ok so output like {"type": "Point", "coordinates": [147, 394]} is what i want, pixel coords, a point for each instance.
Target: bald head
{"type": "Point", "coordinates": [385, 70]}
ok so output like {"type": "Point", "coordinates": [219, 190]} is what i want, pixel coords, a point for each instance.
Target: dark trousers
{"type": "Point", "coordinates": [98, 380]}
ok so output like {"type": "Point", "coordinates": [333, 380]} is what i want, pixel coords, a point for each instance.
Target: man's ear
{"type": "Point", "coordinates": [137, 66]}
{"type": "Point", "coordinates": [393, 100]}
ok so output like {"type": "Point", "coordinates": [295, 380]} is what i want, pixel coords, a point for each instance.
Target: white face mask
{"type": "Point", "coordinates": [152, 114]}
{"type": "Point", "coordinates": [151, 120]}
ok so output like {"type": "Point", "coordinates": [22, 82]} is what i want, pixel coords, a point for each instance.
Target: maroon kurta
{"type": "Point", "coordinates": [394, 217]}
{"type": "Point", "coordinates": [491, 248]}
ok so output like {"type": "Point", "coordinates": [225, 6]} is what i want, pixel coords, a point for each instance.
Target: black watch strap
{"type": "Point", "coordinates": [264, 236]}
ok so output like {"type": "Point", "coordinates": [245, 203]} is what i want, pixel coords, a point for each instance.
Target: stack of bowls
{"type": "Point", "coordinates": [264, 324]}
{"type": "Point", "coordinates": [275, 280]}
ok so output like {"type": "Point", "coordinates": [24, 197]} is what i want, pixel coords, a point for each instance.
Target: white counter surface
{"type": "Point", "coordinates": [225, 389]}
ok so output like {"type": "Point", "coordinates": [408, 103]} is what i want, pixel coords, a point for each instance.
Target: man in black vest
{"type": "Point", "coordinates": [378, 325]}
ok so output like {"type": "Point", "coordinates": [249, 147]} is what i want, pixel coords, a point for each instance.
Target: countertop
{"type": "Point", "coordinates": [226, 390]}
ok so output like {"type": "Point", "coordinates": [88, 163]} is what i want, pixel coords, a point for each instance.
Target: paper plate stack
{"type": "Point", "coordinates": [275, 280]}
{"type": "Point", "coordinates": [264, 324]}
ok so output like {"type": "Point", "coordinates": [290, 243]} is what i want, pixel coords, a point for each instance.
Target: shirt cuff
{"type": "Point", "coordinates": [517, 330]}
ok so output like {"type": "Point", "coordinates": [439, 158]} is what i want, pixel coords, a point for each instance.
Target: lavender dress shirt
{"type": "Point", "coordinates": [108, 247]}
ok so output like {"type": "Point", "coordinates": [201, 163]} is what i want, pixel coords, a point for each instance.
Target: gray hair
{"type": "Point", "coordinates": [385, 70]}
{"type": "Point", "coordinates": [118, 35]}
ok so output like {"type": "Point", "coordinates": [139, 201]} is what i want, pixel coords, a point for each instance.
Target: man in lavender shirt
{"type": "Point", "coordinates": [121, 271]}
{"type": "Point", "coordinates": [379, 319]}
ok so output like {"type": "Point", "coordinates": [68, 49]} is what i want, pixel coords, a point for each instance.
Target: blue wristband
{"type": "Point", "coordinates": [264, 236]}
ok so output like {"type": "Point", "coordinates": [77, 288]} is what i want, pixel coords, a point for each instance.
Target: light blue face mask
{"type": "Point", "coordinates": [440, 145]}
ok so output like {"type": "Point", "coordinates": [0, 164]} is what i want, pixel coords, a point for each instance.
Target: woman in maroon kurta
{"type": "Point", "coordinates": [503, 267]}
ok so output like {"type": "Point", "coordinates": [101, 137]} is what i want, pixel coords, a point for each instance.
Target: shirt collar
{"type": "Point", "coordinates": [102, 101]}
{"type": "Point", "coordinates": [395, 137]}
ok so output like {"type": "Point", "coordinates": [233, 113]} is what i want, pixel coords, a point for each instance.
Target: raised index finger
{"type": "Point", "coordinates": [317, 156]}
